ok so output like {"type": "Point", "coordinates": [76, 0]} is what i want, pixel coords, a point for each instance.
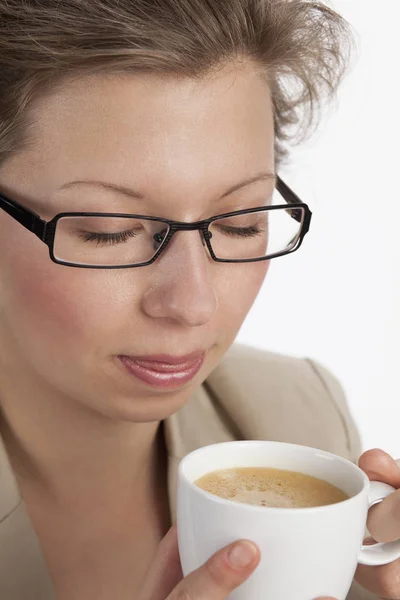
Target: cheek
{"type": "Point", "coordinates": [242, 282]}
{"type": "Point", "coordinates": [50, 300]}
{"type": "Point", "coordinates": [54, 306]}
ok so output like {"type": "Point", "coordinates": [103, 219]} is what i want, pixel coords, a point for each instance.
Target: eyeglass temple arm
{"type": "Point", "coordinates": [287, 192]}
{"type": "Point", "coordinates": [292, 198]}
{"type": "Point", "coordinates": [29, 219]}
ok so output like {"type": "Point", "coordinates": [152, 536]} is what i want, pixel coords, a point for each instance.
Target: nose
{"type": "Point", "coordinates": [181, 288]}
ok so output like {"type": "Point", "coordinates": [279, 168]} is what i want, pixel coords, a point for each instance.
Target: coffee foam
{"type": "Point", "coordinates": [262, 486]}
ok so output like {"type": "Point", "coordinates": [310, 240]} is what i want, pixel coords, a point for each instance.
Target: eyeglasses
{"type": "Point", "coordinates": [115, 240]}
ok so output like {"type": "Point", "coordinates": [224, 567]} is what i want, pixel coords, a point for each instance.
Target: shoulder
{"type": "Point", "coordinates": [257, 369]}
{"type": "Point", "coordinates": [246, 365]}
{"type": "Point", "coordinates": [273, 396]}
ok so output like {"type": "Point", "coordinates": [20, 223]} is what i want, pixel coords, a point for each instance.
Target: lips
{"type": "Point", "coordinates": [166, 363]}
{"type": "Point", "coordinates": [163, 370]}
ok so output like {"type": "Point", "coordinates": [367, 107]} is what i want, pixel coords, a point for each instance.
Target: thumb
{"type": "Point", "coordinates": [380, 466]}
{"type": "Point", "coordinates": [221, 574]}
{"type": "Point", "coordinates": [165, 571]}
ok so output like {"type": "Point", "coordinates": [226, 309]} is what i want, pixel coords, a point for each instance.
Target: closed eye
{"type": "Point", "coordinates": [240, 231]}
{"type": "Point", "coordinates": [108, 239]}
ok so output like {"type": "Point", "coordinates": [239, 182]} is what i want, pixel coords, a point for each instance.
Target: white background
{"type": "Point", "coordinates": [337, 299]}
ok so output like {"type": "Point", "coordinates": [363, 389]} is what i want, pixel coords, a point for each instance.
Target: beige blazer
{"type": "Point", "coordinates": [251, 394]}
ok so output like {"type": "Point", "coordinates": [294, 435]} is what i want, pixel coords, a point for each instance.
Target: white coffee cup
{"type": "Point", "coordinates": [305, 552]}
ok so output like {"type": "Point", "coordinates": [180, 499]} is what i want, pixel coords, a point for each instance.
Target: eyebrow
{"type": "Point", "coordinates": [138, 196]}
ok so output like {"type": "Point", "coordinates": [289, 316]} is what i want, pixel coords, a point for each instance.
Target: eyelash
{"type": "Point", "coordinates": [113, 239]}
{"type": "Point", "coordinates": [110, 239]}
{"type": "Point", "coordinates": [242, 231]}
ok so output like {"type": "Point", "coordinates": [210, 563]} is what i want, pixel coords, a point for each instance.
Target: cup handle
{"type": "Point", "coordinates": [379, 553]}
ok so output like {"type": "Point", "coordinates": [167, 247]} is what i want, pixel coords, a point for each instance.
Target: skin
{"type": "Point", "coordinates": [182, 144]}
{"type": "Point", "coordinates": [71, 412]}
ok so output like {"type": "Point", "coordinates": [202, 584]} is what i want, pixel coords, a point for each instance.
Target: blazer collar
{"type": "Point", "coordinates": [10, 495]}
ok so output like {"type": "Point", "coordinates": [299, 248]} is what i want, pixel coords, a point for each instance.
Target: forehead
{"type": "Point", "coordinates": [148, 131]}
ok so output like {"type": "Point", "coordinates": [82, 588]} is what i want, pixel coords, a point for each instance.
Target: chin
{"type": "Point", "coordinates": [147, 409]}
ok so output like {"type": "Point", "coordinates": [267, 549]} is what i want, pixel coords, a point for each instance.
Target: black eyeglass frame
{"type": "Point", "coordinates": [46, 230]}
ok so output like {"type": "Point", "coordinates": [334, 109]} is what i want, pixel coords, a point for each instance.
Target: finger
{"type": "Point", "coordinates": [380, 466]}
{"type": "Point", "coordinates": [221, 574]}
{"type": "Point", "coordinates": [369, 541]}
{"type": "Point", "coordinates": [384, 519]}
{"type": "Point", "coordinates": [165, 571]}
{"type": "Point", "coordinates": [382, 580]}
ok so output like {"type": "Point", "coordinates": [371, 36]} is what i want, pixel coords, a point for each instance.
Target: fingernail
{"type": "Point", "coordinates": [242, 554]}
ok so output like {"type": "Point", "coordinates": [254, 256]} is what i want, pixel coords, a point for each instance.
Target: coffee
{"type": "Point", "coordinates": [262, 486]}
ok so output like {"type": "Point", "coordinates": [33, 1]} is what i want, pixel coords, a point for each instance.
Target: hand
{"type": "Point", "coordinates": [383, 524]}
{"type": "Point", "coordinates": [215, 580]}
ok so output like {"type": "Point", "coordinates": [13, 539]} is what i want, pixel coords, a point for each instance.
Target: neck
{"type": "Point", "coordinates": [79, 459]}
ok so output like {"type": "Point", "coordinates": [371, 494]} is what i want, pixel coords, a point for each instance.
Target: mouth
{"type": "Point", "coordinates": [163, 370]}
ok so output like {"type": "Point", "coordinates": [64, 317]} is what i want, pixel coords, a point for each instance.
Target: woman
{"type": "Point", "coordinates": [116, 353]}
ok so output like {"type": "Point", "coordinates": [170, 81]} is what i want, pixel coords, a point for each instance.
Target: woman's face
{"type": "Point", "coordinates": [179, 143]}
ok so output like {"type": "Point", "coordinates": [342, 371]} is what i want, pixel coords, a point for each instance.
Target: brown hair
{"type": "Point", "coordinates": [303, 47]}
